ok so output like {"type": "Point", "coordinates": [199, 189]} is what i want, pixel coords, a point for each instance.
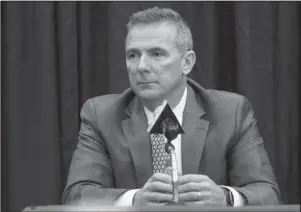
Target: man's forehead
{"type": "Point", "coordinates": [151, 34]}
{"type": "Point", "coordinates": [155, 25]}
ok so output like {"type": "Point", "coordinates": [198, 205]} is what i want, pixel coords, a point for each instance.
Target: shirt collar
{"type": "Point", "coordinates": [178, 110]}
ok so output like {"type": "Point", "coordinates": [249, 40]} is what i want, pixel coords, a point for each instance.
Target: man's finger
{"type": "Point", "coordinates": [193, 186]}
{"type": "Point", "coordinates": [192, 178]}
{"type": "Point", "coordinates": [165, 178]}
{"type": "Point", "coordinates": [158, 197]}
{"type": "Point", "coordinates": [156, 204]}
{"type": "Point", "coordinates": [158, 186]}
{"type": "Point", "coordinates": [201, 203]}
{"type": "Point", "coordinates": [194, 196]}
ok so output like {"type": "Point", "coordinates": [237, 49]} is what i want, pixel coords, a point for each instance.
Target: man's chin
{"type": "Point", "coordinates": [149, 94]}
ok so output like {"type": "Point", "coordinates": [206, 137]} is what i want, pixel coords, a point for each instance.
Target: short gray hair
{"type": "Point", "coordinates": [162, 15]}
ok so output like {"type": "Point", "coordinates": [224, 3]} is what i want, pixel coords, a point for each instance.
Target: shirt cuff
{"type": "Point", "coordinates": [238, 199]}
{"type": "Point", "coordinates": [126, 199]}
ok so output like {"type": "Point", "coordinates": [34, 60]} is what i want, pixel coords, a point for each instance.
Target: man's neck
{"type": "Point", "coordinates": [173, 99]}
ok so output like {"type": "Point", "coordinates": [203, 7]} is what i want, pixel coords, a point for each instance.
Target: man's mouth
{"type": "Point", "coordinates": [144, 83]}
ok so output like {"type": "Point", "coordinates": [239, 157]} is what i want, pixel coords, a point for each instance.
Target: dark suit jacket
{"type": "Point", "coordinates": [221, 141]}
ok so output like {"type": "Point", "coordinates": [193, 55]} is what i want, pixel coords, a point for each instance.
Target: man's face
{"type": "Point", "coordinates": [153, 60]}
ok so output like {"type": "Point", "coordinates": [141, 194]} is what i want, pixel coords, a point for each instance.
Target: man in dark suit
{"type": "Point", "coordinates": [221, 156]}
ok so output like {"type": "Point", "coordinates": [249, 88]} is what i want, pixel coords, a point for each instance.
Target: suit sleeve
{"type": "Point", "coordinates": [250, 172]}
{"type": "Point", "coordinates": [91, 177]}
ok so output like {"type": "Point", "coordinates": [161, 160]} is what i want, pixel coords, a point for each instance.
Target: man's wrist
{"type": "Point", "coordinates": [229, 199]}
{"type": "Point", "coordinates": [134, 198]}
{"type": "Point", "coordinates": [238, 198]}
{"type": "Point", "coordinates": [126, 199]}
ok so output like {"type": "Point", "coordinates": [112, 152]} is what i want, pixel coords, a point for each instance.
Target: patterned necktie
{"type": "Point", "coordinates": [159, 155]}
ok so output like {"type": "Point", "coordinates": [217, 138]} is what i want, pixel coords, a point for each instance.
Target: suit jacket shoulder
{"type": "Point", "coordinates": [112, 102]}
{"type": "Point", "coordinates": [230, 114]}
{"type": "Point", "coordinates": [107, 108]}
{"type": "Point", "coordinates": [219, 104]}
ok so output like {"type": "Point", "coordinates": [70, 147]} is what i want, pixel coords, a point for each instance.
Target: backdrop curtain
{"type": "Point", "coordinates": [55, 55]}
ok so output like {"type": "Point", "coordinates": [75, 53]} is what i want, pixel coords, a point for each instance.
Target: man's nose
{"type": "Point", "coordinates": [143, 63]}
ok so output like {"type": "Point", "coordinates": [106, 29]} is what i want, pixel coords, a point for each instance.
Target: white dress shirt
{"type": "Point", "coordinates": [127, 198]}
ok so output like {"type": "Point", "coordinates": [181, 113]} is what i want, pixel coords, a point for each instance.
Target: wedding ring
{"type": "Point", "coordinates": [199, 195]}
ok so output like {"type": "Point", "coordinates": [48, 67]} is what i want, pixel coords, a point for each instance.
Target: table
{"type": "Point", "coordinates": [272, 208]}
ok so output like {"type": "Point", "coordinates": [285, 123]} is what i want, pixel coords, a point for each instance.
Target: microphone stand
{"type": "Point", "coordinates": [170, 149]}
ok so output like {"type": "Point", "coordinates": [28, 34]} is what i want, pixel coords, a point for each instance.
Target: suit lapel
{"type": "Point", "coordinates": [195, 129]}
{"type": "Point", "coordinates": [134, 128]}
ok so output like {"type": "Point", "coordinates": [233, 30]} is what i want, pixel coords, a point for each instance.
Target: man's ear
{"type": "Point", "coordinates": [189, 61]}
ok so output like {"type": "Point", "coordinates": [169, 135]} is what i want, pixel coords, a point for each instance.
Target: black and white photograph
{"type": "Point", "coordinates": [150, 106]}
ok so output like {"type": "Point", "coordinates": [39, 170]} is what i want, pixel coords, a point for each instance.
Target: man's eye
{"type": "Point", "coordinates": [132, 55]}
{"type": "Point", "coordinates": [157, 54]}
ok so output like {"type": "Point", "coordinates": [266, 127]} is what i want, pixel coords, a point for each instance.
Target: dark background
{"type": "Point", "coordinates": [55, 55]}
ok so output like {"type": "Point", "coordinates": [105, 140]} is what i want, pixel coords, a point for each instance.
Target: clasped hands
{"type": "Point", "coordinates": [193, 189]}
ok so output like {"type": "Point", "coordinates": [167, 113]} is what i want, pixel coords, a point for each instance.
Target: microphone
{"type": "Point", "coordinates": [170, 128]}
{"type": "Point", "coordinates": [167, 123]}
